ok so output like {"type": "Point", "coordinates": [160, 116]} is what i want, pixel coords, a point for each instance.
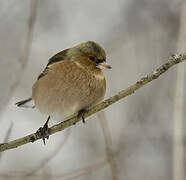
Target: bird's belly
{"type": "Point", "coordinates": [61, 106]}
{"type": "Point", "coordinates": [66, 104]}
{"type": "Point", "coordinates": [64, 98]}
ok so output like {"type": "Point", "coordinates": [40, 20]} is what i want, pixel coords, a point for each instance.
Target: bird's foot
{"type": "Point", "coordinates": [43, 131]}
{"type": "Point", "coordinates": [81, 114]}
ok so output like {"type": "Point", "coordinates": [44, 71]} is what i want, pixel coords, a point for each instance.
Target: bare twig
{"type": "Point", "coordinates": [174, 59]}
{"type": "Point", "coordinates": [108, 146]}
{"type": "Point", "coordinates": [26, 50]}
{"type": "Point", "coordinates": [83, 171]}
{"type": "Point", "coordinates": [7, 135]}
{"type": "Point", "coordinates": [179, 108]}
{"type": "Point", "coordinates": [65, 176]}
{"type": "Point", "coordinates": [51, 156]}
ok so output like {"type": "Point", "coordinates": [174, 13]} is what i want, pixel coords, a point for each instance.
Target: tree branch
{"type": "Point", "coordinates": [174, 59]}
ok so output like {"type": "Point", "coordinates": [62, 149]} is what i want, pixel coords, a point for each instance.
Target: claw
{"type": "Point", "coordinates": [81, 114]}
{"type": "Point", "coordinates": [44, 130]}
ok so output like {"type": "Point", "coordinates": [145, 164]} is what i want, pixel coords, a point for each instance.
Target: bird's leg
{"type": "Point", "coordinates": [44, 130]}
{"type": "Point", "coordinates": [81, 114]}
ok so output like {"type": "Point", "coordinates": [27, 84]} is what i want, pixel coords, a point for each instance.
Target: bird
{"type": "Point", "coordinates": [72, 82]}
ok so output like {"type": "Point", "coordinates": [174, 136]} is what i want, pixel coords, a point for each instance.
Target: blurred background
{"type": "Point", "coordinates": [142, 136]}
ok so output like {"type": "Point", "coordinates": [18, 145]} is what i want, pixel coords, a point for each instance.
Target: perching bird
{"type": "Point", "coordinates": [72, 81]}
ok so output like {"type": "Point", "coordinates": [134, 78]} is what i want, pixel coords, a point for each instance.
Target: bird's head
{"type": "Point", "coordinates": [90, 54]}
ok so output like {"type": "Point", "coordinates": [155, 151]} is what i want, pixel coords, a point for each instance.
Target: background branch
{"type": "Point", "coordinates": [174, 59]}
{"type": "Point", "coordinates": [23, 59]}
{"type": "Point", "coordinates": [7, 135]}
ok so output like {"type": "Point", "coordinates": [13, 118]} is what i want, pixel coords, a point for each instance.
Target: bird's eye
{"type": "Point", "coordinates": [97, 61]}
{"type": "Point", "coordinates": [92, 58]}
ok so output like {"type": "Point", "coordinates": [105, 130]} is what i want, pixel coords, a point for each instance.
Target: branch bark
{"type": "Point", "coordinates": [174, 59]}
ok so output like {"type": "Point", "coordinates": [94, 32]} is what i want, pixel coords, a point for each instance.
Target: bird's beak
{"type": "Point", "coordinates": [104, 65]}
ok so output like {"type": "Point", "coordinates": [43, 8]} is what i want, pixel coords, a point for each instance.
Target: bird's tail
{"type": "Point", "coordinates": [25, 103]}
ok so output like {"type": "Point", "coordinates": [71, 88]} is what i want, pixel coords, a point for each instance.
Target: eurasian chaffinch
{"type": "Point", "coordinates": [72, 81]}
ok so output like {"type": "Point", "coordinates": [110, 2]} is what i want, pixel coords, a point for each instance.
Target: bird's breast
{"type": "Point", "coordinates": [67, 88]}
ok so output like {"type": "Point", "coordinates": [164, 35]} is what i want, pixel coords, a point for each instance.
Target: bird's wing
{"type": "Point", "coordinates": [56, 58]}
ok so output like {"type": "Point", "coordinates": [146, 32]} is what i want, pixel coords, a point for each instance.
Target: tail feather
{"type": "Point", "coordinates": [24, 103]}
